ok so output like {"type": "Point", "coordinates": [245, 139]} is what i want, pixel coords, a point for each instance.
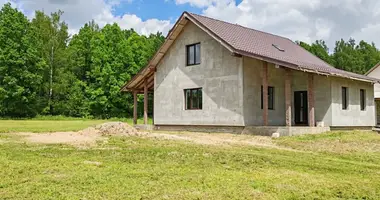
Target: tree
{"type": "Point", "coordinates": [319, 49]}
{"type": "Point", "coordinates": [347, 55]}
{"type": "Point", "coordinates": [53, 36]}
{"type": "Point", "coordinates": [20, 65]}
{"type": "Point", "coordinates": [43, 72]}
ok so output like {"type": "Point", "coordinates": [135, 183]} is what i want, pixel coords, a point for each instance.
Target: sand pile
{"type": "Point", "coordinates": [112, 128]}
{"type": "Point", "coordinates": [87, 136]}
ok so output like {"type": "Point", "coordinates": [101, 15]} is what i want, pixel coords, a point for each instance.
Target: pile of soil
{"type": "Point", "coordinates": [112, 128]}
{"type": "Point", "coordinates": [87, 136]}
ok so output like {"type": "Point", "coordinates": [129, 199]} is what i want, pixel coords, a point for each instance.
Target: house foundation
{"type": "Point", "coordinates": [248, 130]}
{"type": "Point", "coordinates": [283, 130]}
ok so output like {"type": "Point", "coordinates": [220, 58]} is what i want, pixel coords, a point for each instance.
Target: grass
{"type": "Point", "coordinates": [138, 168]}
{"type": "Point", "coordinates": [55, 124]}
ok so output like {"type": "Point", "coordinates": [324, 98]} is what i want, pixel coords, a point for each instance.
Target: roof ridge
{"type": "Point", "coordinates": [240, 26]}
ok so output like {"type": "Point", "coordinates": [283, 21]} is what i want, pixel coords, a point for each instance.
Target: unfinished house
{"type": "Point", "coordinates": [211, 75]}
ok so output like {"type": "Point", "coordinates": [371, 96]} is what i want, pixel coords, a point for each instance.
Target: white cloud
{"type": "Point", "coordinates": [132, 21]}
{"type": "Point", "coordinates": [197, 3]}
{"type": "Point", "coordinates": [370, 31]}
{"type": "Point", "coordinates": [306, 20]}
{"type": "Point", "coordinates": [78, 12]}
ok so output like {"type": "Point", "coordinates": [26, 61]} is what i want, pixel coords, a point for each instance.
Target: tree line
{"type": "Point", "coordinates": [45, 71]}
{"type": "Point", "coordinates": [347, 55]}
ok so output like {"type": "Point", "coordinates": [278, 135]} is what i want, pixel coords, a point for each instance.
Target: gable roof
{"type": "Point", "coordinates": [373, 68]}
{"type": "Point", "coordinates": [246, 42]}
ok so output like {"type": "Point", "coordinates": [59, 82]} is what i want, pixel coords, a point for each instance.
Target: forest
{"type": "Point", "coordinates": [46, 71]}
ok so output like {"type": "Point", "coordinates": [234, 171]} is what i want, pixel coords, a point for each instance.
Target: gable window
{"type": "Point", "coordinates": [344, 98]}
{"type": "Point", "coordinates": [193, 54]}
{"type": "Point", "coordinates": [193, 99]}
{"type": "Point", "coordinates": [270, 98]}
{"type": "Point", "coordinates": [362, 99]}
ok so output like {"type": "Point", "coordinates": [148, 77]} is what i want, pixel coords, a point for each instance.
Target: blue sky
{"type": "Point", "coordinates": [302, 20]}
{"type": "Point", "coordinates": [162, 10]}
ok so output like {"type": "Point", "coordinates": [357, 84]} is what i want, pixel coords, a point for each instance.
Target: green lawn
{"type": "Point", "coordinates": [54, 124]}
{"type": "Point", "coordinates": [329, 166]}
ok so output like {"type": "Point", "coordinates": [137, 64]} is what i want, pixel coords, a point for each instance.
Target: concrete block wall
{"type": "Point", "coordinates": [276, 78]}
{"type": "Point", "coordinates": [376, 74]}
{"type": "Point", "coordinates": [232, 89]}
{"type": "Point", "coordinates": [252, 93]}
{"type": "Point", "coordinates": [219, 74]}
{"type": "Point", "coordinates": [353, 116]}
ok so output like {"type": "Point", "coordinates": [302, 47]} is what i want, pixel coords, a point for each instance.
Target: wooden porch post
{"type": "Point", "coordinates": [265, 93]}
{"type": "Point", "coordinates": [310, 99]}
{"type": "Point", "coordinates": [145, 101]}
{"type": "Point", "coordinates": [288, 96]}
{"type": "Point", "coordinates": [134, 107]}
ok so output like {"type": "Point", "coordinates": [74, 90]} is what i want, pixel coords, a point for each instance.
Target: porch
{"type": "Point", "coordinates": [297, 105]}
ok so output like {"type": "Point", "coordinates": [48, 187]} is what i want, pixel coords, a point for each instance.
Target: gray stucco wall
{"type": "Point", "coordinates": [353, 116]}
{"type": "Point", "coordinates": [219, 74]}
{"type": "Point", "coordinates": [232, 89]}
{"type": "Point", "coordinates": [376, 74]}
{"type": "Point", "coordinates": [252, 94]}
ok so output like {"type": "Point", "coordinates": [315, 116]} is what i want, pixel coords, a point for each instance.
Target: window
{"type": "Point", "coordinates": [270, 98]}
{"type": "Point", "coordinates": [193, 53]}
{"type": "Point", "coordinates": [344, 98]}
{"type": "Point", "coordinates": [362, 99]}
{"type": "Point", "coordinates": [193, 99]}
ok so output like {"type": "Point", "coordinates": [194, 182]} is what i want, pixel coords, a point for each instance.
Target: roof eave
{"type": "Point", "coordinates": [373, 68]}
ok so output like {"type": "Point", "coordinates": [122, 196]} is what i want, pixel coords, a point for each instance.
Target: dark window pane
{"type": "Point", "coordinates": [193, 54]}
{"type": "Point", "coordinates": [190, 55]}
{"type": "Point", "coordinates": [362, 99]}
{"type": "Point", "coordinates": [344, 98]}
{"type": "Point", "coordinates": [200, 99]}
{"type": "Point", "coordinates": [197, 54]}
{"type": "Point", "coordinates": [262, 98]}
{"type": "Point", "coordinates": [194, 98]}
{"type": "Point", "coordinates": [271, 98]}
{"type": "Point", "coordinates": [188, 99]}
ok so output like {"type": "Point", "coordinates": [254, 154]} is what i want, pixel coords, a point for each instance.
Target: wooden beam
{"type": "Point", "coordinates": [265, 93]}
{"type": "Point", "coordinates": [151, 84]}
{"type": "Point", "coordinates": [150, 76]}
{"type": "Point", "coordinates": [288, 97]}
{"type": "Point", "coordinates": [145, 101]}
{"type": "Point", "coordinates": [310, 99]}
{"type": "Point", "coordinates": [135, 107]}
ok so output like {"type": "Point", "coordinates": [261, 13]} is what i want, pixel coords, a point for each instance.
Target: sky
{"type": "Point", "coordinates": [302, 20]}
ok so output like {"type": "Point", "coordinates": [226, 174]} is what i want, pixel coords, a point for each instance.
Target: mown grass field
{"type": "Point", "coordinates": [339, 165]}
{"type": "Point", "coordinates": [54, 124]}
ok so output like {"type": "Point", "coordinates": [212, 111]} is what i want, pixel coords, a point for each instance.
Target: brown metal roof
{"type": "Point", "coordinates": [260, 44]}
{"type": "Point", "coordinates": [248, 42]}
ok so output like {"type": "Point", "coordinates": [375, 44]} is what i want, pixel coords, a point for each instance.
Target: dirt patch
{"type": "Point", "coordinates": [87, 136]}
{"type": "Point", "coordinates": [219, 139]}
{"type": "Point", "coordinates": [76, 138]}
{"type": "Point", "coordinates": [113, 128]}
{"type": "Point", "coordinates": [92, 134]}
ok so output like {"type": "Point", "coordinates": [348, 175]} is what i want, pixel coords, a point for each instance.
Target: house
{"type": "Point", "coordinates": [217, 76]}
{"type": "Point", "coordinates": [374, 72]}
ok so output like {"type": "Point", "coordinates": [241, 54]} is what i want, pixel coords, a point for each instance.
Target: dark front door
{"type": "Point", "coordinates": [300, 108]}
